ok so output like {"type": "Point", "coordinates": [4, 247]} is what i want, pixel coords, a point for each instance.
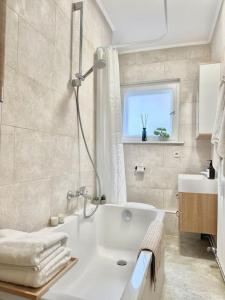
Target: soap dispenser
{"type": "Point", "coordinates": [210, 171]}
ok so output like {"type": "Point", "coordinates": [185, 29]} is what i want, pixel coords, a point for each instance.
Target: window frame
{"type": "Point", "coordinates": [162, 84]}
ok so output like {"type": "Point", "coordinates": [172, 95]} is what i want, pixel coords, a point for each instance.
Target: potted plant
{"type": "Point", "coordinates": [161, 133]}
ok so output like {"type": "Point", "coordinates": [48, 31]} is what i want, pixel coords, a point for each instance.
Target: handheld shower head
{"type": "Point", "coordinates": [100, 63]}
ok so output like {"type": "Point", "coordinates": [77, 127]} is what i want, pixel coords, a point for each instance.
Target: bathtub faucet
{"type": "Point", "coordinates": [81, 192]}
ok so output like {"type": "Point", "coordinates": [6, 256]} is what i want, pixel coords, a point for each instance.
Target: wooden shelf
{"type": "Point", "coordinates": [35, 293]}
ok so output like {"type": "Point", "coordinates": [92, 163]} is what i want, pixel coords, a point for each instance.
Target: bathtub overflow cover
{"type": "Point", "coordinates": [122, 262]}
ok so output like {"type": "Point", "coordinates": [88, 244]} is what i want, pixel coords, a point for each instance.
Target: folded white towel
{"type": "Point", "coordinates": [29, 249]}
{"type": "Point", "coordinates": [32, 278]}
{"type": "Point", "coordinates": [39, 267]}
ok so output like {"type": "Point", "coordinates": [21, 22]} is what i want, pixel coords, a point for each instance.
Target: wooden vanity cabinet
{"type": "Point", "coordinates": [198, 213]}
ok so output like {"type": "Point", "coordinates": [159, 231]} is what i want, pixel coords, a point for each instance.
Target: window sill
{"type": "Point", "coordinates": [153, 142]}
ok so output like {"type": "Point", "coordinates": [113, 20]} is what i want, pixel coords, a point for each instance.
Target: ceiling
{"type": "Point", "coordinates": [136, 23]}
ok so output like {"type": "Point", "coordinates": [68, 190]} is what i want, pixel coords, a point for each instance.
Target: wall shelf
{"type": "Point", "coordinates": [35, 293]}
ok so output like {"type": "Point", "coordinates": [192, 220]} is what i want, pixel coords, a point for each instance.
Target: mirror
{"type": "Point", "coordinates": [2, 44]}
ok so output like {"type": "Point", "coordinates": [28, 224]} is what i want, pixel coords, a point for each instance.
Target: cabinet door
{"type": "Point", "coordinates": [209, 81]}
{"type": "Point", "coordinates": [198, 213]}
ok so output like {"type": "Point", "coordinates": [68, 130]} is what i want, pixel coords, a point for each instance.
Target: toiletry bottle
{"type": "Point", "coordinates": [210, 171]}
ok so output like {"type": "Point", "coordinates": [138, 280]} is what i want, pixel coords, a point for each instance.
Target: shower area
{"type": "Point", "coordinates": [42, 153]}
{"type": "Point", "coordinates": [108, 160]}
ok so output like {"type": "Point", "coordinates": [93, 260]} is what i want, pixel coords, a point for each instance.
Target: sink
{"type": "Point", "coordinates": [194, 183]}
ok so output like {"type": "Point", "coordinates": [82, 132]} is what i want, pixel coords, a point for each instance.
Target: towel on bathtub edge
{"type": "Point", "coordinates": [153, 242]}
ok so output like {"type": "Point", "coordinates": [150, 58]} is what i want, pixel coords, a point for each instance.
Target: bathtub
{"type": "Point", "coordinates": [111, 237]}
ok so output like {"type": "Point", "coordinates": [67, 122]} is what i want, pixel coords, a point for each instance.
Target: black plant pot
{"type": "Point", "coordinates": [144, 135]}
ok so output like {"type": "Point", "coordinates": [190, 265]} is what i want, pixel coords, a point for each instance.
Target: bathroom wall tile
{"type": "Point", "coordinates": [63, 33]}
{"type": "Point", "coordinates": [145, 195]}
{"type": "Point", "coordinates": [33, 155]}
{"type": "Point", "coordinates": [187, 113]}
{"type": "Point", "coordinates": [194, 159]}
{"type": "Point", "coordinates": [8, 211]}
{"type": "Point", "coordinates": [62, 72]}
{"type": "Point", "coordinates": [171, 224]}
{"type": "Point", "coordinates": [22, 203]}
{"type": "Point", "coordinates": [38, 13]}
{"type": "Point", "coordinates": [136, 73]}
{"type": "Point", "coordinates": [32, 203]}
{"type": "Point", "coordinates": [6, 155]}
{"type": "Point", "coordinates": [60, 187]}
{"type": "Point", "coordinates": [144, 155]}
{"type": "Point", "coordinates": [40, 103]}
{"type": "Point", "coordinates": [62, 155]}
{"type": "Point", "coordinates": [187, 134]}
{"type": "Point", "coordinates": [185, 69]}
{"type": "Point", "coordinates": [87, 179]}
{"type": "Point", "coordinates": [169, 160]}
{"type": "Point", "coordinates": [35, 54]}
{"type": "Point", "coordinates": [11, 38]}
{"type": "Point", "coordinates": [65, 6]}
{"type": "Point", "coordinates": [28, 104]}
{"type": "Point", "coordinates": [92, 28]}
{"type": "Point", "coordinates": [64, 113]}
{"type": "Point", "coordinates": [170, 200]}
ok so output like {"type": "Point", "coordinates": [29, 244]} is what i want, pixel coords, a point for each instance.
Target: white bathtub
{"type": "Point", "coordinates": [113, 234]}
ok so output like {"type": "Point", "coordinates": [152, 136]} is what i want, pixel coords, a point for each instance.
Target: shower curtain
{"type": "Point", "coordinates": [109, 147]}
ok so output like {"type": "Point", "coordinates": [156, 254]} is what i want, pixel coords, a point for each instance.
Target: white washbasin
{"type": "Point", "coordinates": [194, 183]}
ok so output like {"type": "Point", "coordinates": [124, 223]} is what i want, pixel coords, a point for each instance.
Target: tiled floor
{"type": "Point", "coordinates": [191, 272]}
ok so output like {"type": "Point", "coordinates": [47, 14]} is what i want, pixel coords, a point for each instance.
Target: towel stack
{"type": "Point", "coordinates": [32, 259]}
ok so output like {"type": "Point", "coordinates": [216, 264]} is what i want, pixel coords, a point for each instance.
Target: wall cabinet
{"type": "Point", "coordinates": [198, 213]}
{"type": "Point", "coordinates": [208, 91]}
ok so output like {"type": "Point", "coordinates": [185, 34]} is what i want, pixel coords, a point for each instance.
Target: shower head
{"type": "Point", "coordinates": [100, 63]}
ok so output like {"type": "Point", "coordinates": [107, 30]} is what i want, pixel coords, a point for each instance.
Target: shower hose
{"type": "Point", "coordinates": [86, 215]}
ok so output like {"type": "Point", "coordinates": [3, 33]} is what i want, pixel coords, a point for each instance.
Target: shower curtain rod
{"type": "Point", "coordinates": [119, 46]}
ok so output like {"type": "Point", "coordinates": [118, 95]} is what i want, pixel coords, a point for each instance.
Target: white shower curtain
{"type": "Point", "coordinates": [109, 147]}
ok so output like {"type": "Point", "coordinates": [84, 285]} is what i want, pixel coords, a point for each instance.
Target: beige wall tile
{"type": "Point", "coordinates": [40, 105]}
{"type": "Point", "coordinates": [62, 155]}
{"type": "Point", "coordinates": [170, 200]}
{"type": "Point", "coordinates": [32, 203]}
{"type": "Point", "coordinates": [11, 42]}
{"type": "Point", "coordinates": [171, 224]}
{"type": "Point", "coordinates": [162, 168]}
{"type": "Point", "coordinates": [6, 155]}
{"type": "Point", "coordinates": [8, 211]}
{"type": "Point", "coordinates": [60, 187]}
{"type": "Point", "coordinates": [28, 104]}
{"type": "Point", "coordinates": [33, 155]}
{"type": "Point", "coordinates": [35, 54]}
{"type": "Point", "coordinates": [146, 195]}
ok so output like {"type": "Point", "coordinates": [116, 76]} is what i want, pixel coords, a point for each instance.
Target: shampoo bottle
{"type": "Point", "coordinates": [210, 171]}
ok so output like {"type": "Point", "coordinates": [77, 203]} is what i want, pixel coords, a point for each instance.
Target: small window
{"type": "Point", "coordinates": [154, 106]}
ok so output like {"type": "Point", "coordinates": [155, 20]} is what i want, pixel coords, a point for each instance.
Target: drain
{"type": "Point", "coordinates": [122, 262]}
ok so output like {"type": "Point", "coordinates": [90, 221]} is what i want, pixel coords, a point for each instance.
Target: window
{"type": "Point", "coordinates": [158, 103]}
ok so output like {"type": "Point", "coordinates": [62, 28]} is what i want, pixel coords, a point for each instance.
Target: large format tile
{"type": "Point", "coordinates": [6, 155]}
{"type": "Point", "coordinates": [35, 54]}
{"type": "Point", "coordinates": [33, 155]}
{"type": "Point", "coordinates": [25, 206]}
{"type": "Point", "coordinates": [32, 202]}
{"type": "Point", "coordinates": [11, 41]}
{"type": "Point", "coordinates": [145, 195]}
{"type": "Point", "coordinates": [60, 187]}
{"type": "Point", "coordinates": [28, 104]}
{"type": "Point", "coordinates": [191, 272]}
{"type": "Point", "coordinates": [38, 13]}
